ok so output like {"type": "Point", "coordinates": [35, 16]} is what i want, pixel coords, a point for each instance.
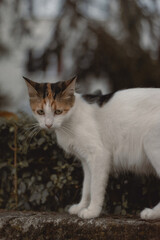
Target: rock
{"type": "Point", "coordinates": [15, 225]}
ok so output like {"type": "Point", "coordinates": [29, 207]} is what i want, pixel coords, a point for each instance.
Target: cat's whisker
{"type": "Point", "coordinates": [26, 132]}
{"type": "Point", "coordinates": [36, 133]}
{"type": "Point", "coordinates": [23, 132]}
{"type": "Point", "coordinates": [67, 130]}
{"type": "Point", "coordinates": [30, 135]}
{"type": "Point", "coordinates": [28, 128]}
{"type": "Point", "coordinates": [33, 131]}
{"type": "Point", "coordinates": [32, 126]}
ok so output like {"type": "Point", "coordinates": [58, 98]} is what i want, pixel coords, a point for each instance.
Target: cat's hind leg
{"type": "Point", "coordinates": [151, 213]}
{"type": "Point", "coordinates": [152, 150]}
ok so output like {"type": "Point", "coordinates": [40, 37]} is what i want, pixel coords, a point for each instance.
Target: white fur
{"type": "Point", "coordinates": [124, 134]}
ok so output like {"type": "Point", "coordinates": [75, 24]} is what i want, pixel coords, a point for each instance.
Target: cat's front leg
{"type": "Point", "coordinates": [99, 166]}
{"type": "Point", "coordinates": [76, 208]}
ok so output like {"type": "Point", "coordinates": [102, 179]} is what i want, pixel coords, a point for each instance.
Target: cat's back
{"type": "Point", "coordinates": [126, 119]}
{"type": "Point", "coordinates": [137, 108]}
{"type": "Point", "coordinates": [135, 100]}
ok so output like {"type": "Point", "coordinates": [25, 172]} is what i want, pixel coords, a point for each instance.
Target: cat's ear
{"type": "Point", "coordinates": [70, 87]}
{"type": "Point", "coordinates": [31, 87]}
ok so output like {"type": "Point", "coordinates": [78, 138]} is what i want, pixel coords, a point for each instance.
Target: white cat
{"type": "Point", "coordinates": [107, 135]}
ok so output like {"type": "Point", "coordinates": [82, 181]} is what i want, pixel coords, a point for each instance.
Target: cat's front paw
{"type": "Point", "coordinates": [147, 213]}
{"type": "Point", "coordinates": [74, 209]}
{"type": "Point", "coordinates": [88, 213]}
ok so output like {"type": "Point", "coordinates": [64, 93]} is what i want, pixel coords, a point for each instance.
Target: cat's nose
{"type": "Point", "coordinates": [49, 125]}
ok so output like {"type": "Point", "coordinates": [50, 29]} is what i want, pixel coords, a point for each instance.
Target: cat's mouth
{"type": "Point", "coordinates": [49, 126]}
{"type": "Point", "coordinates": [48, 129]}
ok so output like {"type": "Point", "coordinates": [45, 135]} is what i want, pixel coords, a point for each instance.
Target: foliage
{"type": "Point", "coordinates": [44, 171]}
{"type": "Point", "coordinates": [94, 51]}
{"type": "Point", "coordinates": [49, 179]}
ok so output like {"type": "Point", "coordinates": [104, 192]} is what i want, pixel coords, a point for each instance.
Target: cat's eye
{"type": "Point", "coordinates": [40, 112]}
{"type": "Point", "coordinates": [58, 112]}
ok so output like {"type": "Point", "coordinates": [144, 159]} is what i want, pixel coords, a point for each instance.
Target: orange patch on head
{"type": "Point", "coordinates": [36, 103]}
{"type": "Point", "coordinates": [57, 99]}
{"type": "Point", "coordinates": [64, 104]}
{"type": "Point", "coordinates": [60, 95]}
{"type": "Point", "coordinates": [49, 93]}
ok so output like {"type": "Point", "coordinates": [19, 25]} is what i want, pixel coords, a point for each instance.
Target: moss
{"type": "Point", "coordinates": [45, 178]}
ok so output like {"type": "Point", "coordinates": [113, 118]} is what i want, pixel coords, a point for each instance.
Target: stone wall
{"type": "Point", "coordinates": [53, 226]}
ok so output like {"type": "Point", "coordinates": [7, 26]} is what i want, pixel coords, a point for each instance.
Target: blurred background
{"type": "Point", "coordinates": [109, 45]}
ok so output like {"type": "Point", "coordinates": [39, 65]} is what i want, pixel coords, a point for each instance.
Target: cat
{"type": "Point", "coordinates": [108, 133]}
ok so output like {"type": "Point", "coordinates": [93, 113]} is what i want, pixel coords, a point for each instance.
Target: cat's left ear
{"type": "Point", "coordinates": [31, 87]}
{"type": "Point", "coordinates": [70, 87]}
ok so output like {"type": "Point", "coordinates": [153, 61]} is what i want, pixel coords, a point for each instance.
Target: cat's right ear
{"type": "Point", "coordinates": [31, 87]}
{"type": "Point", "coordinates": [70, 87]}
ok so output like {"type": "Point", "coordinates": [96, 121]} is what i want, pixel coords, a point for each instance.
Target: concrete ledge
{"type": "Point", "coordinates": [53, 226]}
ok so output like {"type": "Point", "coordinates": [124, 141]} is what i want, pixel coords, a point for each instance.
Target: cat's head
{"type": "Point", "coordinates": [51, 103]}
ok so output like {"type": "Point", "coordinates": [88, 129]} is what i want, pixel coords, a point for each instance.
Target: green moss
{"type": "Point", "coordinates": [49, 179]}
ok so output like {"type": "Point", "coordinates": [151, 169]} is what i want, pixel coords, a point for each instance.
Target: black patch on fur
{"type": "Point", "coordinates": [97, 98]}
{"type": "Point", "coordinates": [105, 98]}
{"type": "Point", "coordinates": [63, 86]}
{"type": "Point", "coordinates": [52, 87]}
{"type": "Point", "coordinates": [55, 90]}
{"type": "Point", "coordinates": [58, 88]}
{"type": "Point", "coordinates": [37, 87]}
